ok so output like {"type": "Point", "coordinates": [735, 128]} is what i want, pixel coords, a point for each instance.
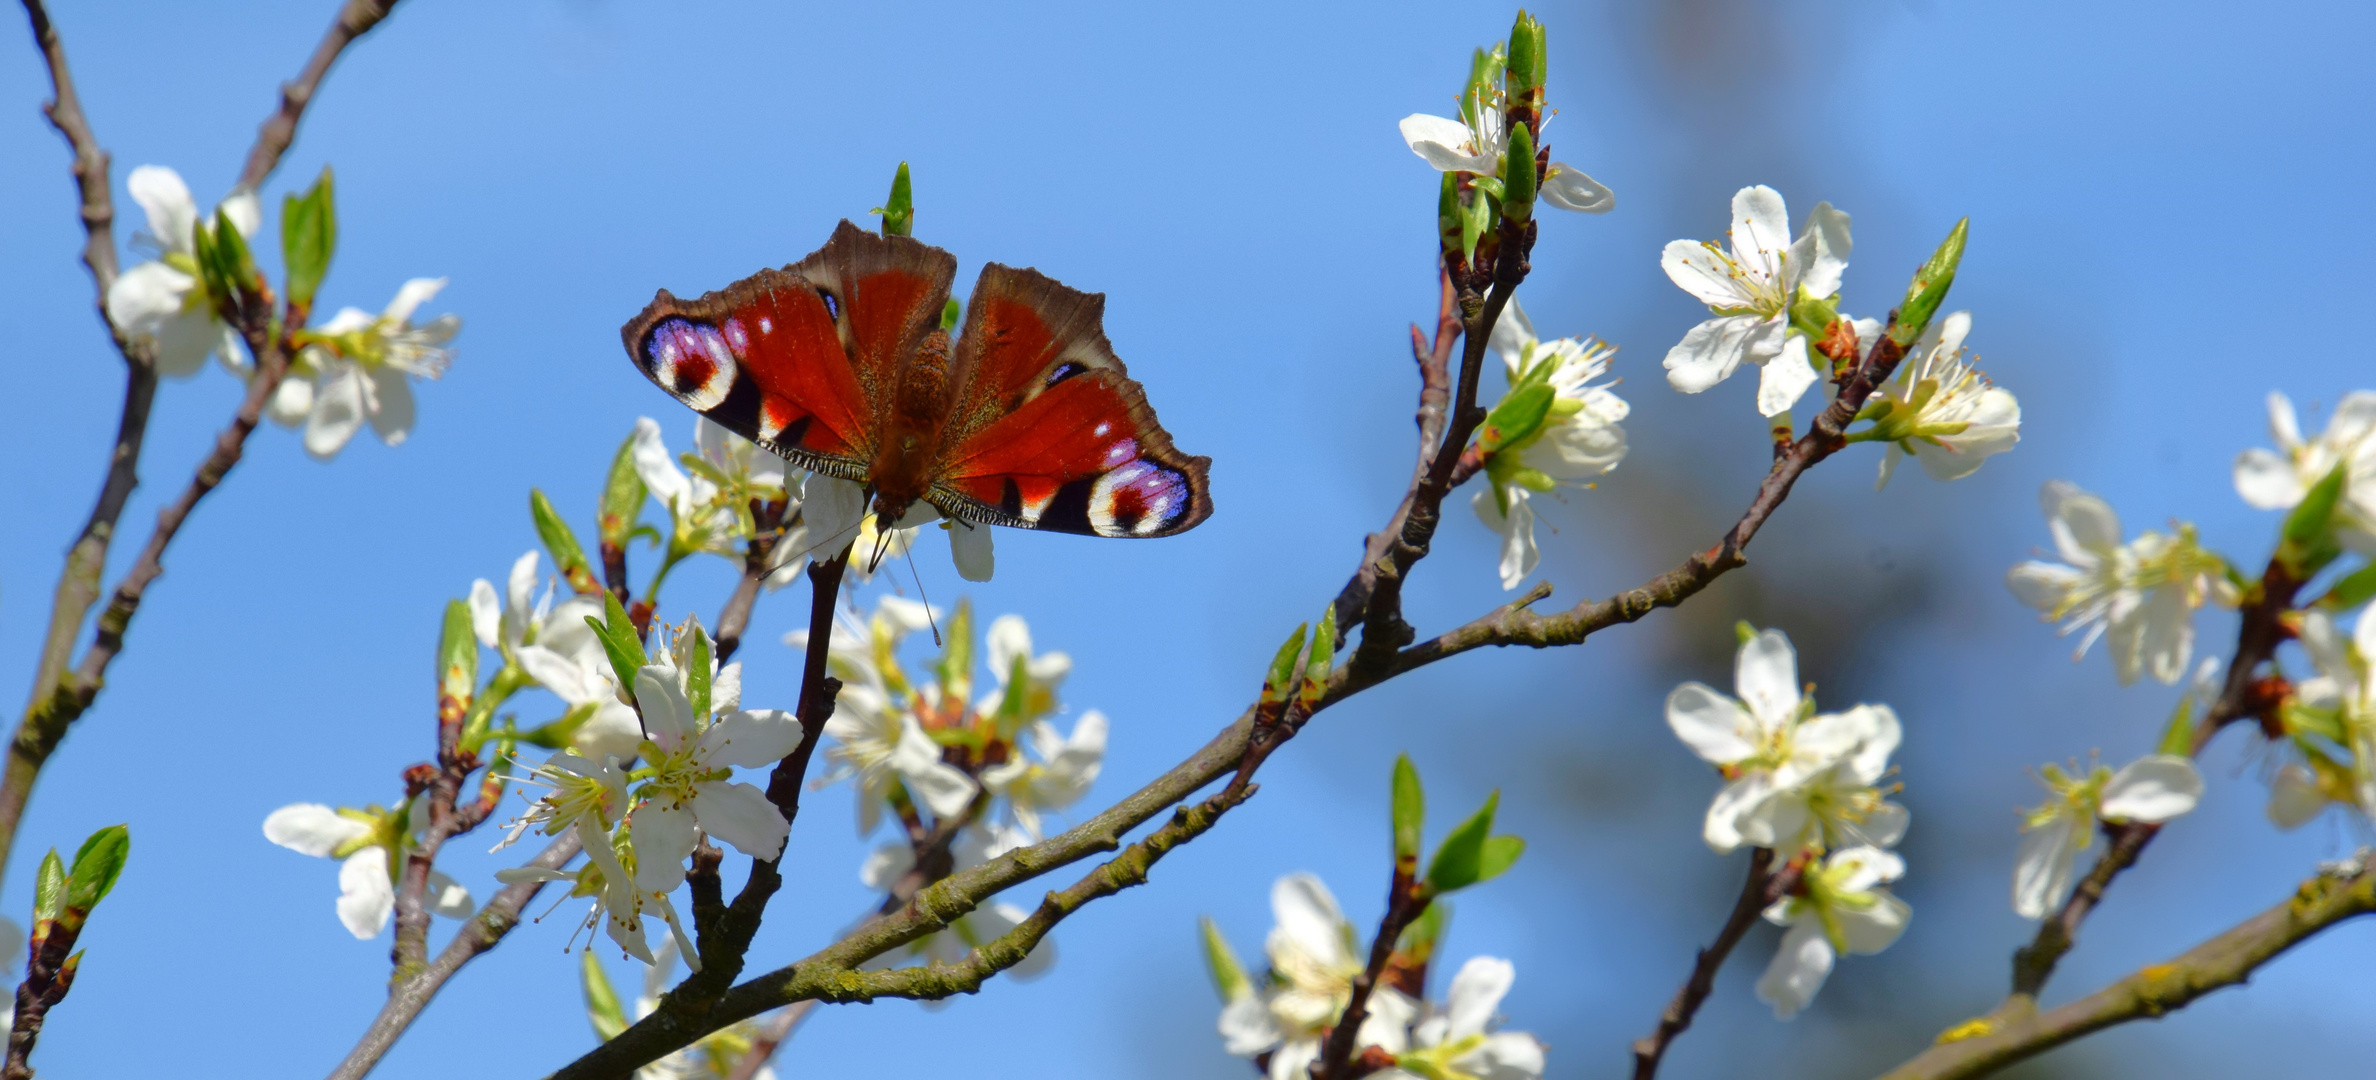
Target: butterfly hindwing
{"type": "Point", "coordinates": [1045, 428]}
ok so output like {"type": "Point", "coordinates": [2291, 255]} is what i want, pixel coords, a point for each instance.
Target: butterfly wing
{"type": "Point", "coordinates": [803, 360]}
{"type": "Point", "coordinates": [1045, 428]}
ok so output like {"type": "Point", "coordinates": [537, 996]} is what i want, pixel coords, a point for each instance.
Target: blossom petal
{"type": "Point", "coordinates": [365, 895]}
{"type": "Point", "coordinates": [667, 713]}
{"type": "Point", "coordinates": [1885, 825]}
{"type": "Point", "coordinates": [740, 814]}
{"type": "Point", "coordinates": [1786, 377]}
{"type": "Point", "coordinates": [144, 297]}
{"type": "Point", "coordinates": [831, 509]}
{"type": "Point", "coordinates": [1293, 1060]}
{"type": "Point", "coordinates": [1246, 1026]}
{"type": "Point", "coordinates": [1567, 188]}
{"type": "Point", "coordinates": [1444, 143]}
{"type": "Point", "coordinates": [1309, 920]}
{"type": "Point", "coordinates": [663, 836]}
{"type": "Point", "coordinates": [447, 897]}
{"type": "Point", "coordinates": [887, 865]}
{"type": "Point", "coordinates": [1889, 464]}
{"type": "Point", "coordinates": [1829, 229]}
{"type": "Point", "coordinates": [2294, 797]}
{"type": "Point", "coordinates": [290, 402]}
{"type": "Point", "coordinates": [2152, 789]}
{"type": "Point", "coordinates": [1873, 929]}
{"type": "Point", "coordinates": [2042, 868]}
{"type": "Point", "coordinates": [1476, 994]}
{"type": "Point", "coordinates": [2267, 481]}
{"type": "Point", "coordinates": [1710, 352]}
{"type": "Point", "coordinates": [338, 412]}
{"type": "Point", "coordinates": [1798, 970]}
{"type": "Point", "coordinates": [2042, 585]}
{"type": "Point", "coordinates": [2084, 526]}
{"type": "Point", "coordinates": [1506, 1055]}
{"type": "Point", "coordinates": [392, 391]}
{"type": "Point", "coordinates": [1702, 271]}
{"type": "Point", "coordinates": [943, 787]}
{"type": "Point", "coordinates": [409, 298]}
{"type": "Point", "coordinates": [486, 614]}
{"type": "Point", "coordinates": [556, 673]}
{"type": "Point", "coordinates": [1765, 674]}
{"type": "Point", "coordinates": [1512, 333]}
{"type": "Point", "coordinates": [969, 547]}
{"type": "Point", "coordinates": [657, 468]}
{"type": "Point", "coordinates": [245, 212]}
{"type": "Point", "coordinates": [1518, 553]}
{"type": "Point", "coordinates": [1881, 734]}
{"type": "Point", "coordinates": [1714, 726]}
{"type": "Point", "coordinates": [751, 740]}
{"type": "Point", "coordinates": [312, 829]}
{"type": "Point", "coordinates": [1760, 230]}
{"type": "Point", "coordinates": [1731, 807]}
{"type": "Point", "coordinates": [2284, 427]}
{"type": "Point", "coordinates": [1867, 867]}
{"type": "Point", "coordinates": [171, 212]}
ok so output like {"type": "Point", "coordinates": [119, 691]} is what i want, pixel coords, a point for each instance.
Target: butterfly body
{"type": "Point", "coordinates": [839, 364]}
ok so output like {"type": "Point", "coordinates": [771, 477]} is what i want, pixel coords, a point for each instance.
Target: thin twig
{"type": "Point", "coordinates": [1983, 1046]}
{"type": "Point", "coordinates": [1404, 904]}
{"type": "Point", "coordinates": [355, 18]}
{"type": "Point", "coordinates": [478, 934]}
{"type": "Point", "coordinates": [1760, 889]}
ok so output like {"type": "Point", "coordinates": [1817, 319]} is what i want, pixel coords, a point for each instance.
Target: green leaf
{"type": "Point", "coordinates": [231, 254]}
{"type": "Point", "coordinates": [950, 313]}
{"type": "Point", "coordinates": [1929, 287]}
{"type": "Point", "coordinates": [1516, 418]}
{"type": "Point", "coordinates": [1459, 862]}
{"type": "Point", "coordinates": [1321, 658]}
{"type": "Point", "coordinates": [457, 654]}
{"type": "Point", "coordinates": [622, 497]}
{"type": "Point", "coordinates": [2308, 543]}
{"type": "Point", "coordinates": [2178, 738]}
{"type": "Point", "coordinates": [1229, 976]}
{"type": "Point", "coordinates": [1518, 176]}
{"type": "Point", "coordinates": [899, 214]}
{"type": "Point", "coordinates": [1499, 854]}
{"type": "Point", "coordinates": [1410, 809]}
{"type": "Point", "coordinates": [2351, 592]}
{"type": "Point", "coordinates": [562, 545]}
{"type": "Point", "coordinates": [619, 642]}
{"type": "Point", "coordinates": [955, 668]}
{"type": "Point", "coordinates": [1448, 211]}
{"type": "Point", "coordinates": [1474, 219]}
{"type": "Point", "coordinates": [96, 866]}
{"type": "Point", "coordinates": [1527, 56]}
{"type": "Point", "coordinates": [1743, 633]}
{"type": "Point", "coordinates": [602, 1003]}
{"type": "Point", "coordinates": [49, 886]}
{"type": "Point", "coordinates": [1281, 680]}
{"type": "Point", "coordinates": [309, 236]}
{"type": "Point", "coordinates": [697, 669]}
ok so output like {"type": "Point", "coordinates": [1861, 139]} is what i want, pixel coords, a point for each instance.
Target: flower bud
{"type": "Point", "coordinates": [1518, 177]}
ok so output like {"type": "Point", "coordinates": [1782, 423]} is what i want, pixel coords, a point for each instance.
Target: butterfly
{"type": "Point", "coordinates": [840, 364]}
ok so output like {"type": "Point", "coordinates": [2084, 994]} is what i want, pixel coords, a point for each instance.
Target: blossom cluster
{"type": "Point", "coordinates": [1281, 1018]}
{"type": "Point", "coordinates": [1803, 784]}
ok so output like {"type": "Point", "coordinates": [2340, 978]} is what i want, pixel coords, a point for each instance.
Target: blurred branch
{"type": "Point", "coordinates": [59, 696]}
{"type": "Point", "coordinates": [1405, 902]}
{"type": "Point", "coordinates": [1760, 889]}
{"type": "Point", "coordinates": [479, 933]}
{"type": "Point", "coordinates": [1984, 1046]}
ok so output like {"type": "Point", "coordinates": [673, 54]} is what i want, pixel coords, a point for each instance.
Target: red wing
{"type": "Point", "coordinates": [801, 361]}
{"type": "Point", "coordinates": [1046, 430]}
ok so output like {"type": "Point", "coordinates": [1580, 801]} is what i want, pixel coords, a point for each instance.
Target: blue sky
{"type": "Point", "coordinates": [2160, 206]}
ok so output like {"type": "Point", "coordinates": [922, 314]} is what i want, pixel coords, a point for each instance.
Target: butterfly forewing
{"type": "Point", "coordinates": [1046, 430]}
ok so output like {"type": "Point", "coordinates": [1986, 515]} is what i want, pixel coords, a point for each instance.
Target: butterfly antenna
{"type": "Point", "coordinates": [882, 544]}
{"type": "Point", "coordinates": [928, 619]}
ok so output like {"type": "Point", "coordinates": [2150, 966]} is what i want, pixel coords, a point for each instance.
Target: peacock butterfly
{"type": "Point", "coordinates": [839, 363]}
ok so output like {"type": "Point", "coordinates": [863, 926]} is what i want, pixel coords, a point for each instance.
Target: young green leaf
{"type": "Point", "coordinates": [1498, 855]}
{"type": "Point", "coordinates": [1410, 809]}
{"type": "Point", "coordinates": [899, 214]}
{"type": "Point", "coordinates": [49, 886]}
{"type": "Point", "coordinates": [1472, 854]}
{"type": "Point", "coordinates": [622, 497]}
{"type": "Point", "coordinates": [309, 236]}
{"type": "Point", "coordinates": [457, 655]}
{"type": "Point", "coordinates": [619, 641]}
{"type": "Point", "coordinates": [2178, 738]}
{"type": "Point", "coordinates": [602, 1002]}
{"type": "Point", "coordinates": [2355, 589]}
{"type": "Point", "coordinates": [1518, 176]}
{"type": "Point", "coordinates": [1743, 633]}
{"type": "Point", "coordinates": [1516, 417]}
{"type": "Point", "coordinates": [1527, 57]}
{"type": "Point", "coordinates": [1229, 976]}
{"type": "Point", "coordinates": [1320, 659]}
{"type": "Point", "coordinates": [562, 545]}
{"type": "Point", "coordinates": [1929, 287]}
{"type": "Point", "coordinates": [697, 668]}
{"type": "Point", "coordinates": [2308, 543]}
{"type": "Point", "coordinates": [1281, 681]}
{"type": "Point", "coordinates": [238, 267]}
{"type": "Point", "coordinates": [96, 866]}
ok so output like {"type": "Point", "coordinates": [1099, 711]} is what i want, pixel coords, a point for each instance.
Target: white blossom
{"type": "Point", "coordinates": [2151, 790]}
{"type": "Point", "coordinates": [163, 301]}
{"type": "Point", "coordinates": [2332, 722]}
{"type": "Point", "coordinates": [1773, 748]}
{"type": "Point", "coordinates": [690, 761]}
{"type": "Point", "coordinates": [1458, 1041]}
{"type": "Point", "coordinates": [1579, 437]}
{"type": "Point", "coordinates": [1750, 289]}
{"type": "Point", "coordinates": [1941, 409]}
{"type": "Point", "coordinates": [1313, 960]}
{"type": "Point", "coordinates": [2277, 480]}
{"type": "Point", "coordinates": [2142, 593]}
{"type": "Point", "coordinates": [1476, 145]}
{"type": "Point", "coordinates": [354, 369]}
{"type": "Point", "coordinates": [1841, 907]}
{"type": "Point", "coordinates": [366, 843]}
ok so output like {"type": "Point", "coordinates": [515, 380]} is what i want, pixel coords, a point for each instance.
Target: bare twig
{"type": "Point", "coordinates": [1404, 904]}
{"type": "Point", "coordinates": [60, 696]}
{"type": "Point", "coordinates": [407, 998]}
{"type": "Point", "coordinates": [355, 18]}
{"type": "Point", "coordinates": [1983, 1046]}
{"type": "Point", "coordinates": [768, 520]}
{"type": "Point", "coordinates": [1761, 888]}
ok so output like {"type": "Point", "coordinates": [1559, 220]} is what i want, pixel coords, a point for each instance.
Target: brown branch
{"type": "Point", "coordinates": [768, 522]}
{"type": "Point", "coordinates": [1759, 890]}
{"type": "Point", "coordinates": [49, 974]}
{"type": "Point", "coordinates": [1984, 1046]}
{"type": "Point", "coordinates": [479, 933]}
{"type": "Point", "coordinates": [1405, 902]}
{"type": "Point", "coordinates": [1435, 395]}
{"type": "Point", "coordinates": [355, 18]}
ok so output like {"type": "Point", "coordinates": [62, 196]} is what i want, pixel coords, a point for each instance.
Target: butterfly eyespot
{"type": "Point", "coordinates": [1064, 371]}
{"type": "Point", "coordinates": [691, 361]}
{"type": "Point", "coordinates": [832, 304]}
{"type": "Point", "coordinates": [1137, 499]}
{"type": "Point", "coordinates": [736, 339]}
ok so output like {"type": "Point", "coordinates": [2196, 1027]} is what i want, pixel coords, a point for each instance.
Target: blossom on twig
{"type": "Point", "coordinates": [2142, 593]}
{"type": "Point", "coordinates": [163, 300]}
{"type": "Point", "coordinates": [354, 369]}
{"type": "Point", "coordinates": [2151, 790]}
{"type": "Point", "coordinates": [369, 844]}
{"type": "Point", "coordinates": [1750, 289]}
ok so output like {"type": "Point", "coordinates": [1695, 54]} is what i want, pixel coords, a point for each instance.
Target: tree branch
{"type": "Point", "coordinates": [1984, 1046]}
{"type": "Point", "coordinates": [479, 933]}
{"type": "Point", "coordinates": [1760, 889]}
{"type": "Point", "coordinates": [1404, 904]}
{"type": "Point", "coordinates": [355, 18]}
